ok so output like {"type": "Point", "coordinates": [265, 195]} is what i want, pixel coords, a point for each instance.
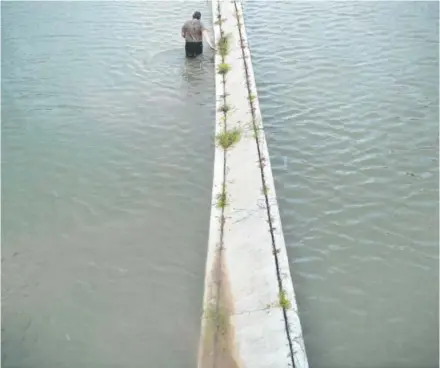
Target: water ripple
{"type": "Point", "coordinates": [349, 97]}
{"type": "Point", "coordinates": [106, 148]}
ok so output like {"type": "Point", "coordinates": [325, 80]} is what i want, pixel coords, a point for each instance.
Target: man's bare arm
{"type": "Point", "coordinates": [207, 38]}
{"type": "Point", "coordinates": [183, 31]}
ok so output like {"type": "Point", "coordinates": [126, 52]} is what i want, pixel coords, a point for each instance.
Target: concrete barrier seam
{"type": "Point", "coordinates": [245, 314]}
{"type": "Point", "coordinates": [222, 219]}
{"type": "Point", "coordinates": [283, 301]}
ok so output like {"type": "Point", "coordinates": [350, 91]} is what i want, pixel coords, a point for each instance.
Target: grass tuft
{"type": "Point", "coordinates": [228, 138]}
{"type": "Point", "coordinates": [283, 301]}
{"type": "Point", "coordinates": [225, 108]}
{"type": "Point", "coordinates": [223, 68]}
{"type": "Point", "coordinates": [222, 201]}
{"type": "Point", "coordinates": [223, 46]}
{"type": "Point", "coordinates": [219, 21]}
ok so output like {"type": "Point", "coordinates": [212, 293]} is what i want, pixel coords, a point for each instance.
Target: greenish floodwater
{"type": "Point", "coordinates": [107, 165]}
{"type": "Point", "coordinates": [350, 102]}
{"type": "Point", "coordinates": [106, 184]}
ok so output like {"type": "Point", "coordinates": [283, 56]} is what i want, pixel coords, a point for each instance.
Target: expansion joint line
{"type": "Point", "coordinates": [219, 264]}
{"type": "Point", "coordinates": [263, 179]}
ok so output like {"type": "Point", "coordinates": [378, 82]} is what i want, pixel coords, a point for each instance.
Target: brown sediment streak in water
{"type": "Point", "coordinates": [217, 348]}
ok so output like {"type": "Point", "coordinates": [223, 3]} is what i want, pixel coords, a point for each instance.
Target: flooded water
{"type": "Point", "coordinates": [349, 97]}
{"type": "Point", "coordinates": [107, 168]}
{"type": "Point", "coordinates": [106, 184]}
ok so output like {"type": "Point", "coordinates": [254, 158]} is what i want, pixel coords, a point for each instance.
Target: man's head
{"type": "Point", "coordinates": [197, 15]}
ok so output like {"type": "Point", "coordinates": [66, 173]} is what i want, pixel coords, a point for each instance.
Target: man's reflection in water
{"type": "Point", "coordinates": [197, 76]}
{"type": "Point", "coordinates": [198, 69]}
{"type": "Point", "coordinates": [171, 69]}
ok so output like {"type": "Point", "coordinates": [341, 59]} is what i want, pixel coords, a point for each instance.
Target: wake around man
{"type": "Point", "coordinates": [193, 31]}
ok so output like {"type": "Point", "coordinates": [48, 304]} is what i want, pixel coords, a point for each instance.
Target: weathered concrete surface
{"type": "Point", "coordinates": [245, 321]}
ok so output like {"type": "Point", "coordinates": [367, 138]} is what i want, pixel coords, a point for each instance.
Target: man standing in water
{"type": "Point", "coordinates": [193, 31]}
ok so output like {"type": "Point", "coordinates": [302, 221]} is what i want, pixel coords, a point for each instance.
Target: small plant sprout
{"type": "Point", "coordinates": [223, 46]}
{"type": "Point", "coordinates": [265, 190]}
{"type": "Point", "coordinates": [223, 68]}
{"type": "Point", "coordinates": [251, 98]}
{"type": "Point", "coordinates": [222, 200]}
{"type": "Point", "coordinates": [225, 108]}
{"type": "Point", "coordinates": [228, 138]}
{"type": "Point", "coordinates": [283, 300]}
{"type": "Point", "coordinates": [219, 21]}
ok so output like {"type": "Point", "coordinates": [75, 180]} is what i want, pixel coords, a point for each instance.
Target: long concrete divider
{"type": "Point", "coordinates": [250, 316]}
